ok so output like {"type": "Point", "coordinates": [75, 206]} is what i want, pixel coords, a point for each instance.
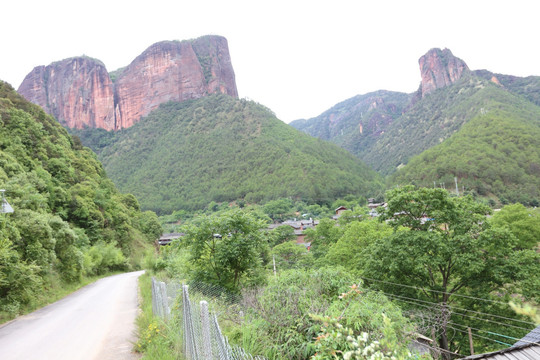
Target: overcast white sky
{"type": "Point", "coordinates": [299, 58]}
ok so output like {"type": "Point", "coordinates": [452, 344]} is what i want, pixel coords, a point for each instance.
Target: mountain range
{"type": "Point", "coordinates": [395, 133]}
{"type": "Point", "coordinates": [392, 131]}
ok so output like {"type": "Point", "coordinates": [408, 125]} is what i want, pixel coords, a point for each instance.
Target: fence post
{"type": "Point", "coordinates": [154, 298]}
{"type": "Point", "coordinates": [189, 348]}
{"type": "Point", "coordinates": [165, 300]}
{"type": "Point", "coordinates": [205, 322]}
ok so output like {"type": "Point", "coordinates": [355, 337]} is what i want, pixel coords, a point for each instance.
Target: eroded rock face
{"type": "Point", "coordinates": [440, 68]}
{"type": "Point", "coordinates": [79, 91]}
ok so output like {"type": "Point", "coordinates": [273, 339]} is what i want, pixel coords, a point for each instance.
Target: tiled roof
{"type": "Point", "coordinates": [532, 337]}
{"type": "Point", "coordinates": [528, 348]}
{"type": "Point", "coordinates": [523, 352]}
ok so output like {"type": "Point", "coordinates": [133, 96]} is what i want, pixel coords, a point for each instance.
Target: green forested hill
{"type": "Point", "coordinates": [496, 154]}
{"type": "Point", "coordinates": [185, 155]}
{"type": "Point", "coordinates": [428, 122]}
{"type": "Point", "coordinates": [357, 123]}
{"type": "Point", "coordinates": [399, 126]}
{"type": "Point", "coordinates": [69, 220]}
{"type": "Point", "coordinates": [528, 87]}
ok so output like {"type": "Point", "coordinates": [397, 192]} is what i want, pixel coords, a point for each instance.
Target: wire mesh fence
{"type": "Point", "coordinates": [202, 335]}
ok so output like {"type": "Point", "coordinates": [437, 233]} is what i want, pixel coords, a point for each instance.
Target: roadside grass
{"type": "Point", "coordinates": [54, 290]}
{"type": "Point", "coordinates": [157, 339]}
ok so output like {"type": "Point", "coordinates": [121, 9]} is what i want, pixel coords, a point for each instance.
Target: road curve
{"type": "Point", "coordinates": [95, 322]}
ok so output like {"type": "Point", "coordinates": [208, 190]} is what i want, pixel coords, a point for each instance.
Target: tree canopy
{"type": "Point", "coordinates": [449, 250]}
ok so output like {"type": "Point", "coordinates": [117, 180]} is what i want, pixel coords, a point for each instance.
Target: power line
{"type": "Point", "coordinates": [455, 307]}
{"type": "Point", "coordinates": [480, 336]}
{"type": "Point", "coordinates": [436, 291]}
{"type": "Point", "coordinates": [454, 312]}
{"type": "Point", "coordinates": [493, 333]}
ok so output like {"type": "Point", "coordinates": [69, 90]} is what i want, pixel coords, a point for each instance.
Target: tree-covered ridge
{"type": "Point", "coordinates": [496, 154]}
{"type": "Point", "coordinates": [528, 87]}
{"type": "Point", "coordinates": [218, 148]}
{"type": "Point", "coordinates": [430, 121]}
{"type": "Point", "coordinates": [356, 123]}
{"type": "Point", "coordinates": [69, 219]}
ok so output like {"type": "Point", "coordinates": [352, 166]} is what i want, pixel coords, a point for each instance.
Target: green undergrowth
{"type": "Point", "coordinates": [157, 339]}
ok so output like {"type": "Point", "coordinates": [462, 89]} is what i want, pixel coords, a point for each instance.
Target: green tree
{"type": "Point", "coordinates": [323, 237]}
{"type": "Point", "coordinates": [290, 255]}
{"type": "Point", "coordinates": [278, 210]}
{"type": "Point", "coordinates": [350, 250]}
{"type": "Point", "coordinates": [226, 249]}
{"type": "Point", "coordinates": [280, 235]}
{"type": "Point", "coordinates": [522, 222]}
{"type": "Point", "coordinates": [449, 250]}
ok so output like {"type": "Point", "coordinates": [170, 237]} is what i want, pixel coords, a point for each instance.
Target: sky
{"type": "Point", "coordinates": [296, 57]}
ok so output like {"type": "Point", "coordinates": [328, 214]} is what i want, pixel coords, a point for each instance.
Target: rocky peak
{"type": "Point", "coordinates": [440, 68]}
{"type": "Point", "coordinates": [79, 91]}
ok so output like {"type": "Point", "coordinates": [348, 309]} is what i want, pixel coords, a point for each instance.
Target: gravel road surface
{"type": "Point", "coordinates": [95, 322]}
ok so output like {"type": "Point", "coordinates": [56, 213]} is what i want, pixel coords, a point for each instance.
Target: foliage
{"type": "Point", "coordinates": [523, 223]}
{"type": "Point", "coordinates": [157, 340]}
{"type": "Point", "coordinates": [358, 123]}
{"type": "Point", "coordinates": [338, 342]}
{"type": "Point", "coordinates": [218, 148]}
{"type": "Point", "coordinates": [290, 255]}
{"type": "Point", "coordinates": [66, 210]}
{"type": "Point", "coordinates": [279, 209]}
{"type": "Point", "coordinates": [527, 310]}
{"type": "Point", "coordinates": [449, 250]}
{"type": "Point", "coordinates": [280, 315]}
{"type": "Point", "coordinates": [495, 155]}
{"type": "Point", "coordinates": [227, 249]}
{"type": "Point", "coordinates": [323, 237]}
{"type": "Point", "coordinates": [351, 250]}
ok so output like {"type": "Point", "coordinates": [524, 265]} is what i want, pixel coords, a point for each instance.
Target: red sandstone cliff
{"type": "Point", "coordinates": [440, 68]}
{"type": "Point", "coordinates": [79, 91]}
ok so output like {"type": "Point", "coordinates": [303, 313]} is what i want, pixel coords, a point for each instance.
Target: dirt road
{"type": "Point", "coordinates": [96, 322]}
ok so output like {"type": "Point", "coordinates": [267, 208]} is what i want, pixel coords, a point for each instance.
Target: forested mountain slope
{"type": "Point", "coordinates": [528, 87]}
{"type": "Point", "coordinates": [430, 121]}
{"type": "Point", "coordinates": [68, 219]}
{"type": "Point", "coordinates": [218, 148]}
{"type": "Point", "coordinates": [496, 154]}
{"type": "Point", "coordinates": [357, 123]}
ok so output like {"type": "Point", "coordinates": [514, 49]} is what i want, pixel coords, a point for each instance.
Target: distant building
{"type": "Point", "coordinates": [372, 206]}
{"type": "Point", "coordinates": [299, 226]}
{"type": "Point", "coordinates": [166, 239]}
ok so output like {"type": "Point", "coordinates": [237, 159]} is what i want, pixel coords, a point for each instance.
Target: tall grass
{"type": "Point", "coordinates": [158, 339]}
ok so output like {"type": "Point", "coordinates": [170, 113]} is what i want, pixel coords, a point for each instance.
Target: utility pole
{"type": "Point", "coordinates": [457, 189]}
{"type": "Point", "coordinates": [471, 347]}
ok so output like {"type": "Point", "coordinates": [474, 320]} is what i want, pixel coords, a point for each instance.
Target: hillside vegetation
{"type": "Point", "coordinates": [357, 123]}
{"type": "Point", "coordinates": [186, 155]}
{"type": "Point", "coordinates": [69, 220]}
{"type": "Point", "coordinates": [496, 154]}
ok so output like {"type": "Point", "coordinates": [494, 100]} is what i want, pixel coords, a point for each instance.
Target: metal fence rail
{"type": "Point", "coordinates": [202, 335]}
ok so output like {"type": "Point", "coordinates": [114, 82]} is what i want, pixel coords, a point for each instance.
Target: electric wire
{"type": "Point", "coordinates": [457, 313]}
{"type": "Point", "coordinates": [493, 333]}
{"type": "Point", "coordinates": [436, 291]}
{"type": "Point", "coordinates": [455, 307]}
{"type": "Point", "coordinates": [480, 336]}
